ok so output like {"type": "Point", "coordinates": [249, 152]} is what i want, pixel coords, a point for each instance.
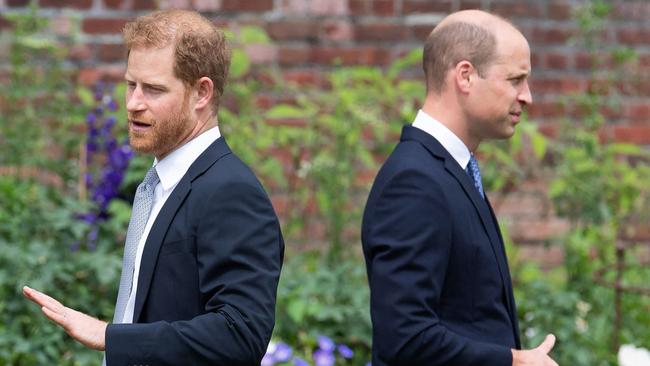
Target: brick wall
{"type": "Point", "coordinates": [309, 35]}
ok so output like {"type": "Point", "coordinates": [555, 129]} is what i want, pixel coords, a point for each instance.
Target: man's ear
{"type": "Point", "coordinates": [204, 91]}
{"type": "Point", "coordinates": [464, 75]}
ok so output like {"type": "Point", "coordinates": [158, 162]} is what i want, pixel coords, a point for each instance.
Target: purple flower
{"type": "Point", "coordinates": [323, 358]}
{"type": "Point", "coordinates": [345, 351]}
{"type": "Point", "coordinates": [297, 361]}
{"type": "Point", "coordinates": [325, 344]}
{"type": "Point", "coordinates": [106, 159]}
{"type": "Point", "coordinates": [112, 106]}
{"type": "Point", "coordinates": [91, 118]}
{"type": "Point", "coordinates": [282, 352]}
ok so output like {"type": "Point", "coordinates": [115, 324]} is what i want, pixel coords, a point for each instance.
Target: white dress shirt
{"type": "Point", "coordinates": [170, 171]}
{"type": "Point", "coordinates": [452, 143]}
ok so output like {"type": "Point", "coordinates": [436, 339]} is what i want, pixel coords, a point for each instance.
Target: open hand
{"type": "Point", "coordinates": [87, 330]}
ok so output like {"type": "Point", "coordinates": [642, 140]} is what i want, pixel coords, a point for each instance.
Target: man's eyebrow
{"type": "Point", "coordinates": [518, 74]}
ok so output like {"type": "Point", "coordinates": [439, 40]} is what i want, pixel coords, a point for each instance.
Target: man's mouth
{"type": "Point", "coordinates": [515, 116]}
{"type": "Point", "coordinates": [139, 124]}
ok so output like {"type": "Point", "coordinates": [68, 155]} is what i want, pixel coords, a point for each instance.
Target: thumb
{"type": "Point", "coordinates": [548, 344]}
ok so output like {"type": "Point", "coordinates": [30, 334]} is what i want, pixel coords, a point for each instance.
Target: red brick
{"type": "Point", "coordinates": [77, 4]}
{"type": "Point", "coordinates": [80, 52]}
{"type": "Point", "coordinates": [303, 77]}
{"type": "Point", "coordinates": [112, 52]}
{"type": "Point", "coordinates": [544, 35]}
{"type": "Point", "coordinates": [633, 36]}
{"type": "Point", "coordinates": [517, 9]}
{"type": "Point", "coordinates": [537, 229]}
{"type": "Point", "coordinates": [545, 109]}
{"type": "Point", "coordinates": [583, 61]}
{"type": "Point", "coordinates": [328, 7]}
{"type": "Point", "coordinates": [638, 112]}
{"type": "Point", "coordinates": [556, 61]}
{"type": "Point", "coordinates": [536, 61]}
{"type": "Point", "coordinates": [90, 76]}
{"type": "Point", "coordinates": [359, 7]}
{"type": "Point", "coordinates": [289, 30]}
{"type": "Point", "coordinates": [421, 32]}
{"type": "Point", "coordinates": [262, 53]}
{"type": "Point", "coordinates": [256, 6]}
{"type": "Point", "coordinates": [548, 257]}
{"type": "Point", "coordinates": [521, 204]}
{"type": "Point", "coordinates": [337, 30]}
{"type": "Point", "coordinates": [470, 4]}
{"type": "Point", "coordinates": [175, 4]}
{"type": "Point", "coordinates": [639, 87]}
{"type": "Point", "coordinates": [559, 10]}
{"type": "Point", "coordinates": [631, 133]}
{"type": "Point", "coordinates": [4, 23]}
{"type": "Point", "coordinates": [426, 6]}
{"type": "Point", "coordinates": [293, 55]}
{"type": "Point", "coordinates": [632, 10]}
{"type": "Point", "coordinates": [380, 32]}
{"type": "Point", "coordinates": [206, 5]}
{"type": "Point", "coordinates": [383, 7]}
{"type": "Point", "coordinates": [557, 85]}
{"type": "Point", "coordinates": [145, 4]}
{"type": "Point", "coordinates": [103, 25]}
{"type": "Point", "coordinates": [115, 4]}
{"type": "Point", "coordinates": [297, 7]}
{"type": "Point", "coordinates": [644, 60]}
{"type": "Point", "coordinates": [17, 3]}
{"type": "Point", "coordinates": [350, 56]}
{"type": "Point", "coordinates": [551, 129]}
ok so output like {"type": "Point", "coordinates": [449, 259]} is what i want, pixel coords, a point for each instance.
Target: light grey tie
{"type": "Point", "coordinates": [139, 216]}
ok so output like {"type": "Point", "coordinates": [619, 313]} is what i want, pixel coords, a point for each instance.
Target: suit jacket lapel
{"type": "Point", "coordinates": [509, 291]}
{"type": "Point", "coordinates": [154, 241]}
{"type": "Point", "coordinates": [481, 206]}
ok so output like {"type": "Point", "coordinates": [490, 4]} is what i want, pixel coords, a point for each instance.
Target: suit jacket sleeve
{"type": "Point", "coordinates": [239, 255]}
{"type": "Point", "coordinates": [407, 238]}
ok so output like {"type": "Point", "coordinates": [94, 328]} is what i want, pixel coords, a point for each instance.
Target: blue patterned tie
{"type": "Point", "coordinates": [474, 173]}
{"type": "Point", "coordinates": [139, 217]}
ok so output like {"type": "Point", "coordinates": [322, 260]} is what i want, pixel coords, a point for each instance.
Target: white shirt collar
{"type": "Point", "coordinates": [174, 166]}
{"type": "Point", "coordinates": [452, 143]}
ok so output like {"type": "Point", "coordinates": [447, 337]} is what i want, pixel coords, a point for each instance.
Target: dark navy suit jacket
{"type": "Point", "coordinates": [209, 272]}
{"type": "Point", "coordinates": [440, 287]}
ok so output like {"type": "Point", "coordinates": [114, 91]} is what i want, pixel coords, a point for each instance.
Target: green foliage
{"type": "Point", "coordinates": [41, 236]}
{"type": "Point", "coordinates": [316, 298]}
{"type": "Point", "coordinates": [37, 113]}
{"type": "Point", "coordinates": [38, 230]}
{"type": "Point", "coordinates": [602, 189]}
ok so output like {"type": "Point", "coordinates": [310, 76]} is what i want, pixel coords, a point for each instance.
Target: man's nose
{"type": "Point", "coordinates": [135, 100]}
{"type": "Point", "coordinates": [525, 95]}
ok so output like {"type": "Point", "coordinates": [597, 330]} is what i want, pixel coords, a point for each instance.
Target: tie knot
{"type": "Point", "coordinates": [151, 179]}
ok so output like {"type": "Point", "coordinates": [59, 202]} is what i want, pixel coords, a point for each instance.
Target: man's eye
{"type": "Point", "coordinates": [516, 81]}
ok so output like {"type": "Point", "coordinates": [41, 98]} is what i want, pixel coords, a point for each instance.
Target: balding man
{"type": "Point", "coordinates": [203, 249]}
{"type": "Point", "coordinates": [441, 292]}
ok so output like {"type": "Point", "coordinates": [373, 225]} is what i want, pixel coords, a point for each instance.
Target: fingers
{"type": "Point", "coordinates": [59, 318]}
{"type": "Point", "coordinates": [548, 344]}
{"type": "Point", "coordinates": [53, 309]}
{"type": "Point", "coordinates": [42, 299]}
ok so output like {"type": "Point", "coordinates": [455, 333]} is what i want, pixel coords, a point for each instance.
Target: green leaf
{"type": "Point", "coordinates": [240, 63]}
{"type": "Point", "coordinates": [539, 142]}
{"type": "Point", "coordinates": [285, 111]}
{"type": "Point", "coordinates": [253, 35]}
